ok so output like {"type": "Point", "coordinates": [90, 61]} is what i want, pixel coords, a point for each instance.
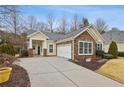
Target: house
{"type": "Point", "coordinates": [78, 45]}
{"type": "Point", "coordinates": [114, 35]}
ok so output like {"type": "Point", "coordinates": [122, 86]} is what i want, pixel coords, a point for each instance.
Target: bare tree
{"type": "Point", "coordinates": [101, 25]}
{"type": "Point", "coordinates": [31, 23]}
{"type": "Point", "coordinates": [10, 17]}
{"type": "Point", "coordinates": [63, 25]}
{"type": "Point", "coordinates": [75, 23]}
{"type": "Point", "coordinates": [41, 26]}
{"type": "Point", "coordinates": [50, 21]}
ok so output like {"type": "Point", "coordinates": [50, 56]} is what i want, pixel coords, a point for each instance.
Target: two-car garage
{"type": "Point", "coordinates": [64, 50]}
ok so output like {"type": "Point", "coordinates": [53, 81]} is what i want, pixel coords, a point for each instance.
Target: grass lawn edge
{"type": "Point", "coordinates": [109, 76]}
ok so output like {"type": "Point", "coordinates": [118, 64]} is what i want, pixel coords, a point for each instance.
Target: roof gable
{"type": "Point", "coordinates": [37, 34]}
{"type": "Point", "coordinates": [93, 33]}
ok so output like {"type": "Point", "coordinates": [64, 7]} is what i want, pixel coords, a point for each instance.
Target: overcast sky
{"type": "Point", "coordinates": [113, 15]}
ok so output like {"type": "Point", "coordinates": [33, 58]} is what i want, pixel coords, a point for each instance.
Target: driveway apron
{"type": "Point", "coordinates": [59, 72]}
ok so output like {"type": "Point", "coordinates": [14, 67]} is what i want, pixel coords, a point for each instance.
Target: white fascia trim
{"type": "Point", "coordinates": [64, 40]}
{"type": "Point", "coordinates": [36, 33]}
{"type": "Point", "coordinates": [83, 49]}
{"type": "Point", "coordinates": [37, 39]}
{"type": "Point", "coordinates": [98, 33]}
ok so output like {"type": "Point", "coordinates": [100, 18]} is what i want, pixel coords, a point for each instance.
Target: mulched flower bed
{"type": "Point", "coordinates": [91, 65]}
{"type": "Point", "coordinates": [94, 65]}
{"type": "Point", "coordinates": [18, 78]}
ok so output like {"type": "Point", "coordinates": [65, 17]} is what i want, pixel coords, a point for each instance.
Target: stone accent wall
{"type": "Point", "coordinates": [44, 52]}
{"type": "Point", "coordinates": [30, 52]}
{"type": "Point", "coordinates": [84, 37]}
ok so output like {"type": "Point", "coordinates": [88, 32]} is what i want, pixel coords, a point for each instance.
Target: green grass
{"type": "Point", "coordinates": [113, 69]}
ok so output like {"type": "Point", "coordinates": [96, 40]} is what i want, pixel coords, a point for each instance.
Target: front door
{"type": "Point", "coordinates": [38, 50]}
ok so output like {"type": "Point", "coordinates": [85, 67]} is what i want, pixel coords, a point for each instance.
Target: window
{"type": "Point", "coordinates": [85, 48]}
{"type": "Point", "coordinates": [81, 48]}
{"type": "Point", "coordinates": [98, 46]}
{"type": "Point", "coordinates": [51, 48]}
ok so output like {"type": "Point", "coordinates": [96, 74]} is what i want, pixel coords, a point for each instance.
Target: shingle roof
{"type": "Point", "coordinates": [53, 36]}
{"type": "Point", "coordinates": [117, 36]}
{"type": "Point", "coordinates": [57, 36]}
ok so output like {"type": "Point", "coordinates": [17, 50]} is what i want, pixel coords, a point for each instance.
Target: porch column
{"type": "Point", "coordinates": [30, 50]}
{"type": "Point", "coordinates": [45, 48]}
{"type": "Point", "coordinates": [30, 43]}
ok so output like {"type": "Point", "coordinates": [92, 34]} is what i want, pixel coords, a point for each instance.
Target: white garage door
{"type": "Point", "coordinates": [64, 50]}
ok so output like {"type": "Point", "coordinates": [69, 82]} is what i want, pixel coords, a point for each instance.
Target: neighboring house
{"type": "Point", "coordinates": [77, 45]}
{"type": "Point", "coordinates": [117, 36]}
{"type": "Point", "coordinates": [18, 41]}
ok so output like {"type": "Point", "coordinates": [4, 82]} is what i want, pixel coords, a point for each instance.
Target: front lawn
{"type": "Point", "coordinates": [113, 69]}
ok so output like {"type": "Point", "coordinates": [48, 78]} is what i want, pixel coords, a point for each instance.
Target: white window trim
{"type": "Point", "coordinates": [101, 44]}
{"type": "Point", "coordinates": [83, 48]}
{"type": "Point", "coordinates": [49, 48]}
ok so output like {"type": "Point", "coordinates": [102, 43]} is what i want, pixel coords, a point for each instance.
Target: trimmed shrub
{"type": "Point", "coordinates": [99, 53]}
{"type": "Point", "coordinates": [108, 56]}
{"type": "Point", "coordinates": [113, 49]}
{"type": "Point", "coordinates": [24, 53]}
{"type": "Point", "coordinates": [7, 49]}
{"type": "Point", "coordinates": [121, 54]}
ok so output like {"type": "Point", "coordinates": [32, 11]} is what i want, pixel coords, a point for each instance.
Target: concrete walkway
{"type": "Point", "coordinates": [58, 72]}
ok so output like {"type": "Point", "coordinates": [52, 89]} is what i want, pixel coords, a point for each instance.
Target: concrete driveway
{"type": "Point", "coordinates": [58, 72]}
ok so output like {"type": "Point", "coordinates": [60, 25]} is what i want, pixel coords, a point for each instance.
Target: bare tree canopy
{"type": "Point", "coordinates": [75, 23]}
{"type": "Point", "coordinates": [50, 21]}
{"type": "Point", "coordinates": [41, 26]}
{"type": "Point", "coordinates": [63, 25]}
{"type": "Point", "coordinates": [101, 25]}
{"type": "Point", "coordinates": [31, 23]}
{"type": "Point", "coordinates": [10, 18]}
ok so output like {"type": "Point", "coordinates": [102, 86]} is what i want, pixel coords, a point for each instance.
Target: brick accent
{"type": "Point", "coordinates": [84, 37]}
{"type": "Point", "coordinates": [44, 52]}
{"type": "Point", "coordinates": [30, 52]}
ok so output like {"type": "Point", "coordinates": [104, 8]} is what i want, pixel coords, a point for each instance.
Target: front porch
{"type": "Point", "coordinates": [37, 47]}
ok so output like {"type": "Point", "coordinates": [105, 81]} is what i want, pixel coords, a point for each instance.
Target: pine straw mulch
{"type": "Point", "coordinates": [91, 65]}
{"type": "Point", "coordinates": [18, 78]}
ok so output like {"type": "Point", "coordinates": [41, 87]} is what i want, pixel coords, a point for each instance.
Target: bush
{"type": "Point", "coordinates": [4, 39]}
{"type": "Point", "coordinates": [24, 53]}
{"type": "Point", "coordinates": [6, 59]}
{"type": "Point", "coordinates": [113, 49]}
{"type": "Point", "coordinates": [121, 54]}
{"type": "Point", "coordinates": [108, 56]}
{"type": "Point", "coordinates": [99, 53]}
{"type": "Point", "coordinates": [7, 49]}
